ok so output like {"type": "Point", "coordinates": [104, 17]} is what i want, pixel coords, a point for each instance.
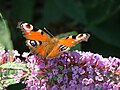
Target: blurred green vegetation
{"type": "Point", "coordinates": [5, 39]}
{"type": "Point", "coordinates": [100, 18]}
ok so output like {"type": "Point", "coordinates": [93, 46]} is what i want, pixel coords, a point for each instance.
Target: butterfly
{"type": "Point", "coordinates": [41, 43]}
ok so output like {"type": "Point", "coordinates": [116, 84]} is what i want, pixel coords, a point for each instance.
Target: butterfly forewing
{"type": "Point", "coordinates": [32, 33]}
{"type": "Point", "coordinates": [72, 40]}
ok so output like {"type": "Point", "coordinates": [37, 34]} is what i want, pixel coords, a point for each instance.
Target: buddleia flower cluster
{"type": "Point", "coordinates": [74, 70]}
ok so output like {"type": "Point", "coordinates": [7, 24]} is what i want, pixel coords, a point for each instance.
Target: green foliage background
{"type": "Point", "coordinates": [100, 18]}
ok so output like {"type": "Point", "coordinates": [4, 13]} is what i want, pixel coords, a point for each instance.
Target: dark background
{"type": "Point", "coordinates": [100, 18]}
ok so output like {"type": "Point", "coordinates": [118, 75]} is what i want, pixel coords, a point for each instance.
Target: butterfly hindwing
{"type": "Point", "coordinates": [36, 47]}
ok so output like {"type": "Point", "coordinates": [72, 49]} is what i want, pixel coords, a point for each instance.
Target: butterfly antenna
{"type": "Point", "coordinates": [49, 32]}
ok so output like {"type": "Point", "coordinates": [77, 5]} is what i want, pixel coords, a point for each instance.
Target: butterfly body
{"type": "Point", "coordinates": [42, 44]}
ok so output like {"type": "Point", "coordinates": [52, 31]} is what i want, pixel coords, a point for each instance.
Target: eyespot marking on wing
{"type": "Point", "coordinates": [26, 26]}
{"type": "Point", "coordinates": [83, 37]}
{"type": "Point", "coordinates": [63, 48]}
{"type": "Point", "coordinates": [33, 43]}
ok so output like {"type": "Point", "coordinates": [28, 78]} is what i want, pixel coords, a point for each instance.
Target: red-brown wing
{"type": "Point", "coordinates": [54, 52]}
{"type": "Point", "coordinates": [32, 33]}
{"type": "Point", "coordinates": [36, 39]}
{"type": "Point", "coordinates": [45, 49]}
{"type": "Point", "coordinates": [72, 40]}
{"type": "Point", "coordinates": [37, 47]}
{"type": "Point", "coordinates": [64, 44]}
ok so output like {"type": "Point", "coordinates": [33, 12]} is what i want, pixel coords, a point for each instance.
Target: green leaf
{"type": "Point", "coordinates": [7, 82]}
{"type": "Point", "coordinates": [11, 81]}
{"type": "Point", "coordinates": [55, 78]}
{"type": "Point", "coordinates": [5, 38]}
{"type": "Point", "coordinates": [7, 78]}
{"type": "Point", "coordinates": [2, 47]}
{"type": "Point", "coordinates": [1, 87]}
{"type": "Point", "coordinates": [61, 75]}
{"type": "Point", "coordinates": [40, 77]}
{"type": "Point", "coordinates": [14, 65]}
{"type": "Point", "coordinates": [76, 47]}
{"type": "Point", "coordinates": [66, 34]}
{"type": "Point", "coordinates": [60, 67]}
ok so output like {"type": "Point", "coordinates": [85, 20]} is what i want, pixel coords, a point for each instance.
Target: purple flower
{"type": "Point", "coordinates": [72, 82]}
{"type": "Point", "coordinates": [75, 69]}
{"type": "Point", "coordinates": [15, 53]}
{"type": "Point", "coordinates": [17, 78]}
{"type": "Point", "coordinates": [40, 66]}
{"type": "Point", "coordinates": [2, 52]}
{"type": "Point", "coordinates": [36, 81]}
{"type": "Point", "coordinates": [70, 71]}
{"type": "Point", "coordinates": [55, 71]}
{"type": "Point", "coordinates": [4, 57]}
{"type": "Point", "coordinates": [81, 71]}
{"type": "Point", "coordinates": [50, 75]}
{"type": "Point", "coordinates": [99, 78]}
{"type": "Point", "coordinates": [75, 76]}
{"type": "Point", "coordinates": [63, 87]}
{"type": "Point", "coordinates": [65, 79]}
{"type": "Point", "coordinates": [91, 80]}
{"type": "Point", "coordinates": [98, 86]}
{"type": "Point", "coordinates": [89, 69]}
{"type": "Point", "coordinates": [25, 54]}
{"type": "Point", "coordinates": [65, 71]}
{"type": "Point", "coordinates": [85, 81]}
{"type": "Point", "coordinates": [34, 88]}
{"type": "Point", "coordinates": [74, 87]}
{"type": "Point", "coordinates": [116, 86]}
{"type": "Point", "coordinates": [76, 56]}
{"type": "Point", "coordinates": [34, 73]}
{"type": "Point", "coordinates": [55, 87]}
{"type": "Point", "coordinates": [43, 87]}
{"type": "Point", "coordinates": [20, 73]}
{"type": "Point", "coordinates": [59, 79]}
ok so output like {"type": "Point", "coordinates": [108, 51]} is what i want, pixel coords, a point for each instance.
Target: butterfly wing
{"type": "Point", "coordinates": [72, 40]}
{"type": "Point", "coordinates": [32, 33]}
{"type": "Point", "coordinates": [64, 44]}
{"type": "Point", "coordinates": [37, 40]}
{"type": "Point", "coordinates": [36, 47]}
